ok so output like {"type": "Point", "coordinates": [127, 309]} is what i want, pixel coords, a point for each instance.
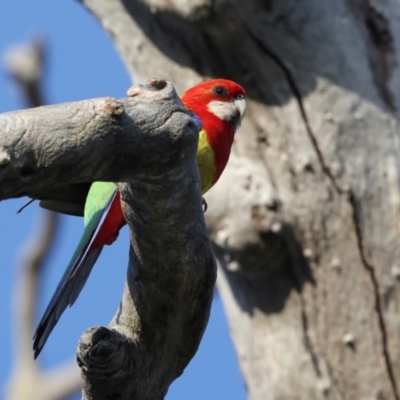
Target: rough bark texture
{"type": "Point", "coordinates": [149, 140]}
{"type": "Point", "coordinates": [306, 219]}
{"type": "Point", "coordinates": [138, 137]}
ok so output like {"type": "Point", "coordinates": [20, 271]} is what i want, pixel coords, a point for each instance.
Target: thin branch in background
{"type": "Point", "coordinates": [25, 64]}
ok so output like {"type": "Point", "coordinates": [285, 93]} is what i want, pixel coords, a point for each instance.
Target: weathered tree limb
{"type": "Point", "coordinates": [153, 336]}
{"type": "Point", "coordinates": [126, 129]}
{"type": "Point", "coordinates": [305, 219]}
{"type": "Point", "coordinates": [149, 140]}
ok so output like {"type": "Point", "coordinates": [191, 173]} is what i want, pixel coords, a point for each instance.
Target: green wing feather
{"type": "Point", "coordinates": [98, 197]}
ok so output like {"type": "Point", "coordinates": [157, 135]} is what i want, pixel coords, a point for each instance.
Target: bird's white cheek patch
{"type": "Point", "coordinates": [223, 110]}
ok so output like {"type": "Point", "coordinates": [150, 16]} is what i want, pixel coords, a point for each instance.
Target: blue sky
{"type": "Point", "coordinates": [82, 63]}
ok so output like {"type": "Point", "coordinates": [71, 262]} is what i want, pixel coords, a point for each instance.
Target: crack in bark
{"type": "Point", "coordinates": [293, 87]}
{"type": "Point", "coordinates": [378, 301]}
{"type": "Point", "coordinates": [352, 202]}
{"type": "Point", "coordinates": [307, 340]}
{"type": "Point", "coordinates": [17, 141]}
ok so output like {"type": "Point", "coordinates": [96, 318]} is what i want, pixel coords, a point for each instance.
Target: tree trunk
{"type": "Point", "coordinates": [306, 219]}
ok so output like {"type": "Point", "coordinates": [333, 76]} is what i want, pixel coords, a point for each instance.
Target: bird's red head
{"type": "Point", "coordinates": [217, 98]}
{"type": "Point", "coordinates": [220, 104]}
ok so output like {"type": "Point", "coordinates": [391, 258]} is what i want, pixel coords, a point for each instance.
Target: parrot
{"type": "Point", "coordinates": [219, 105]}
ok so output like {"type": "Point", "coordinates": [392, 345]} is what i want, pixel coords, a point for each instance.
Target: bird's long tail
{"type": "Point", "coordinates": [74, 278]}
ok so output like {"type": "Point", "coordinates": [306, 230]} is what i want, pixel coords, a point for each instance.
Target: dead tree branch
{"type": "Point", "coordinates": [149, 140]}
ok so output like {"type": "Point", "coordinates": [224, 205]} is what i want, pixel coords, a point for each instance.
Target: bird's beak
{"type": "Point", "coordinates": [240, 104]}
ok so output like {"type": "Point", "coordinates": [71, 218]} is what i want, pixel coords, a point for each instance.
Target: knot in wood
{"type": "Point", "coordinates": [101, 351]}
{"type": "Point", "coordinates": [158, 84]}
{"type": "Point", "coordinates": [112, 106]}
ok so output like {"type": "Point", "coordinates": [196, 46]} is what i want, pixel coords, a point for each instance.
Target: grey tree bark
{"type": "Point", "coordinates": [306, 219]}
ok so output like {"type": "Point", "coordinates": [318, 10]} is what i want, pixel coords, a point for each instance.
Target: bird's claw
{"type": "Point", "coordinates": [204, 204]}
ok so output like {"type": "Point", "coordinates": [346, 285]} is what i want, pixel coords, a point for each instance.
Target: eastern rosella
{"type": "Point", "coordinates": [220, 105]}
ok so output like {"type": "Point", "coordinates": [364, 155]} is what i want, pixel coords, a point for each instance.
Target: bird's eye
{"type": "Point", "coordinates": [220, 91]}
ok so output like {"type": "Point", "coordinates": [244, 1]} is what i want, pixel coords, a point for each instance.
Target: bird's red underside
{"type": "Point", "coordinates": [113, 222]}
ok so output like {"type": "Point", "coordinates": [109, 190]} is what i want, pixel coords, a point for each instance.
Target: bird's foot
{"type": "Point", "coordinates": [204, 204]}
